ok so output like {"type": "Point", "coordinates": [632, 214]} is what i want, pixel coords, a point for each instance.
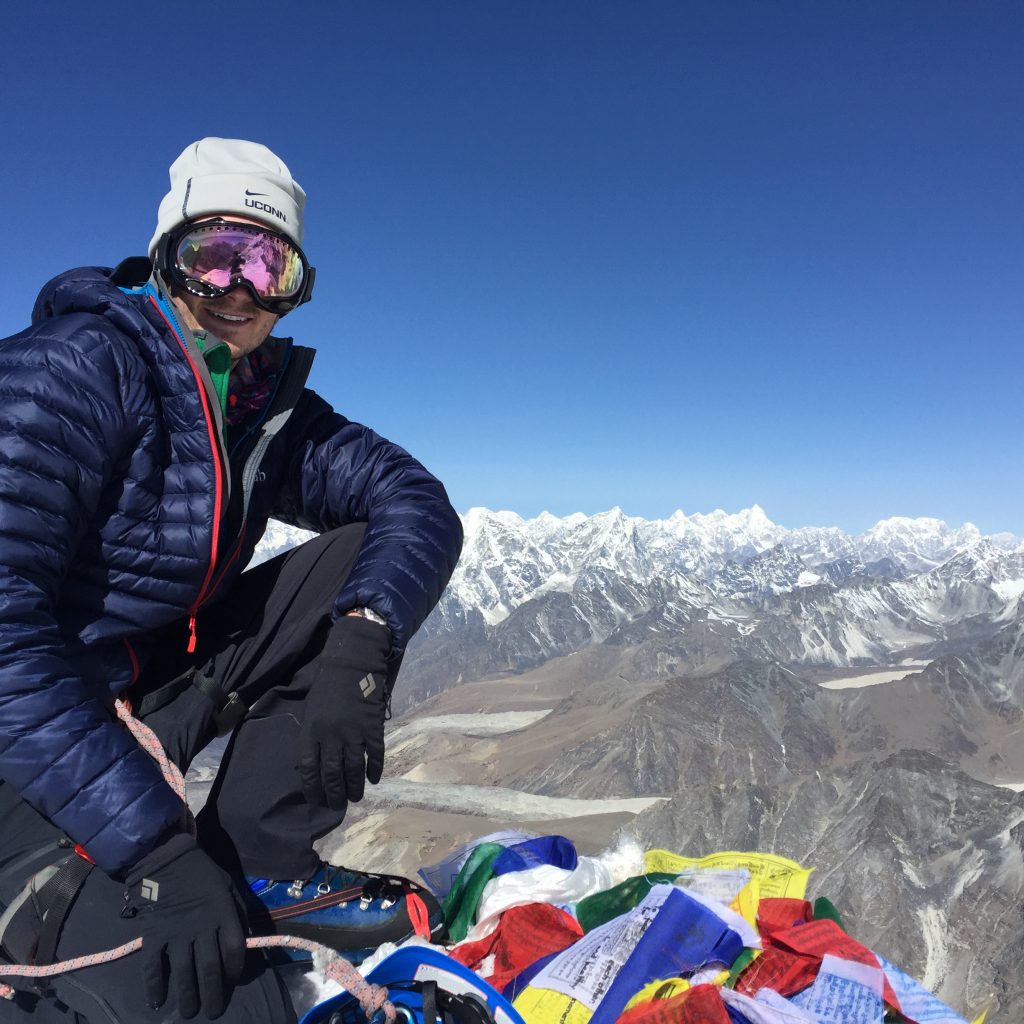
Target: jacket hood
{"type": "Point", "coordinates": [93, 290]}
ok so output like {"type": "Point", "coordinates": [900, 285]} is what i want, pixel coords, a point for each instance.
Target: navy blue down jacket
{"type": "Point", "coordinates": [121, 511]}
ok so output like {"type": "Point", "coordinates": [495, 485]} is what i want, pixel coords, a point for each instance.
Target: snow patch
{"type": "Point", "coordinates": [496, 802]}
{"type": "Point", "coordinates": [1009, 590]}
{"type": "Point", "coordinates": [933, 928]}
{"type": "Point", "coordinates": [868, 679]}
{"type": "Point", "coordinates": [497, 724]}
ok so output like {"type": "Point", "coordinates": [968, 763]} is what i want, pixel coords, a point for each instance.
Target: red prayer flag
{"type": "Point", "coordinates": [817, 938]}
{"type": "Point", "coordinates": [524, 934]}
{"type": "Point", "coordinates": [779, 969]}
{"type": "Point", "coordinates": [776, 914]}
{"type": "Point", "coordinates": [699, 1005]}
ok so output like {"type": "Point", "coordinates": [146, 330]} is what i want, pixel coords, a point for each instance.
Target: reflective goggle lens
{"type": "Point", "coordinates": [221, 256]}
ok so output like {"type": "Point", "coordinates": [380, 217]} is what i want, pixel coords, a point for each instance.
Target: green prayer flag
{"type": "Point", "coordinates": [595, 910]}
{"type": "Point", "coordinates": [824, 909]}
{"type": "Point", "coordinates": [739, 964]}
{"type": "Point", "coordinates": [460, 905]}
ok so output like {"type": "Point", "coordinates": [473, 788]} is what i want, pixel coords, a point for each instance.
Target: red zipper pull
{"type": "Point", "coordinates": [192, 634]}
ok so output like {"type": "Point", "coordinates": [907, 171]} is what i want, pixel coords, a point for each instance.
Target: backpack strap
{"type": "Point", "coordinates": [428, 992]}
{"type": "Point", "coordinates": [56, 897]}
{"type": "Point", "coordinates": [30, 925]}
{"type": "Point", "coordinates": [22, 880]}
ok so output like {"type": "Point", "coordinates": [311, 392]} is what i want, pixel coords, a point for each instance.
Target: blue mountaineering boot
{"type": "Point", "coordinates": [352, 912]}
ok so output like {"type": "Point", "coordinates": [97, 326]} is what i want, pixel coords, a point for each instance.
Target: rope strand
{"type": "Point", "coordinates": [150, 743]}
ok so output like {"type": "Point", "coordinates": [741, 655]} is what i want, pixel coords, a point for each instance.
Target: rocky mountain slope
{"type": "Point", "coordinates": [705, 590]}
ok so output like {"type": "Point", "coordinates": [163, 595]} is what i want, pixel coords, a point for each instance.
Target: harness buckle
{"type": "Point", "coordinates": [229, 708]}
{"type": "Point", "coordinates": [233, 711]}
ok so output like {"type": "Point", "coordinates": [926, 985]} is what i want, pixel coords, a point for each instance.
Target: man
{"type": "Point", "coordinates": [151, 423]}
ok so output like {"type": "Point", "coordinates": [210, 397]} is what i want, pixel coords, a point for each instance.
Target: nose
{"type": "Point", "coordinates": [239, 296]}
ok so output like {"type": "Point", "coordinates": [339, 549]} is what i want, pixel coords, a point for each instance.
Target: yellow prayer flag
{"type": "Point", "coordinates": [777, 875]}
{"type": "Point", "coordinates": [746, 902]}
{"type": "Point", "coordinates": [543, 1006]}
{"type": "Point", "coordinates": [663, 988]}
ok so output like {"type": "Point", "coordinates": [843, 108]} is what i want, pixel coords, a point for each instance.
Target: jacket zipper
{"type": "Point", "coordinates": [232, 558]}
{"type": "Point", "coordinates": [265, 411]}
{"type": "Point", "coordinates": [253, 460]}
{"type": "Point", "coordinates": [211, 429]}
{"type": "Point", "coordinates": [134, 659]}
{"type": "Point", "coordinates": [236, 548]}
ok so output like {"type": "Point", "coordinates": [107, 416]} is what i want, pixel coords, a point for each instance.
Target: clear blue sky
{"type": "Point", "coordinates": [582, 254]}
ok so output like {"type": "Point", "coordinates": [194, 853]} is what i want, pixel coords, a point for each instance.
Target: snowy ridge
{"type": "Point", "coordinates": [720, 585]}
{"type": "Point", "coordinates": [508, 560]}
{"type": "Point", "coordinates": [549, 552]}
{"type": "Point", "coordinates": [278, 538]}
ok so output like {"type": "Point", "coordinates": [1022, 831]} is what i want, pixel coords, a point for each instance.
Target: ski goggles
{"type": "Point", "coordinates": [213, 257]}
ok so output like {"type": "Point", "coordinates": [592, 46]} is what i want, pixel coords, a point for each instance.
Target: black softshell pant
{"type": "Point", "coordinates": [258, 642]}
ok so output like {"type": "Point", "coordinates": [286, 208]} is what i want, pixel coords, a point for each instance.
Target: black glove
{"type": "Point", "coordinates": [191, 921]}
{"type": "Point", "coordinates": [342, 741]}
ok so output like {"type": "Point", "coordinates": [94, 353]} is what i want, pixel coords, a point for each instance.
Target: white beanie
{"type": "Point", "coordinates": [231, 176]}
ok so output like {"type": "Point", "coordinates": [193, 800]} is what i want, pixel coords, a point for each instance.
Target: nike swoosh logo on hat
{"type": "Point", "coordinates": [248, 193]}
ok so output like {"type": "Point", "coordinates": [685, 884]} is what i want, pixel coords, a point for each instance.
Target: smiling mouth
{"type": "Point", "coordinates": [229, 318]}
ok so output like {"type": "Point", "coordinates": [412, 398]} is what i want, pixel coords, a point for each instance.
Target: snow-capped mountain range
{"type": "Point", "coordinates": [508, 560]}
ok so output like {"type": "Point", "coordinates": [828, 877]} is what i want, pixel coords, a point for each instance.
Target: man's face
{"type": "Point", "coordinates": [234, 318]}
